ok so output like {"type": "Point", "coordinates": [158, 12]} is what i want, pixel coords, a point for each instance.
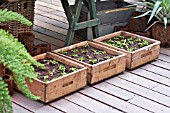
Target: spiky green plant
{"type": "Point", "coordinates": [156, 8]}
{"type": "Point", "coordinates": [15, 57]}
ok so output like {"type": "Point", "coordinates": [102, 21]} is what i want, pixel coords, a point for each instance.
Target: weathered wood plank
{"type": "Point", "coordinates": [165, 51]}
{"type": "Point", "coordinates": [138, 80]}
{"type": "Point", "coordinates": [48, 39]}
{"type": "Point", "coordinates": [164, 58]}
{"type": "Point", "coordinates": [53, 34]}
{"type": "Point", "coordinates": [50, 27]}
{"type": "Point", "coordinates": [51, 21]}
{"type": "Point", "coordinates": [162, 64]}
{"type": "Point", "coordinates": [47, 14]}
{"type": "Point", "coordinates": [150, 105]}
{"type": "Point", "coordinates": [19, 109]}
{"type": "Point", "coordinates": [68, 107]}
{"type": "Point", "coordinates": [157, 70]}
{"type": "Point", "coordinates": [112, 101]}
{"type": "Point", "coordinates": [146, 83]}
{"type": "Point", "coordinates": [139, 90]}
{"type": "Point", "coordinates": [34, 106]}
{"type": "Point", "coordinates": [50, 10]}
{"type": "Point", "coordinates": [113, 90]}
{"type": "Point", "coordinates": [88, 103]}
{"type": "Point", "coordinates": [152, 76]}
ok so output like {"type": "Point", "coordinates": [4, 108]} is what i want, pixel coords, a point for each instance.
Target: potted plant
{"type": "Point", "coordinates": [139, 49]}
{"type": "Point", "coordinates": [15, 57]}
{"type": "Point", "coordinates": [101, 61]}
{"type": "Point", "coordinates": [159, 9]}
{"type": "Point", "coordinates": [59, 77]}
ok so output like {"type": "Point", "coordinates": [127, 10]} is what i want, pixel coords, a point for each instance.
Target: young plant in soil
{"type": "Point", "coordinates": [126, 42]}
{"type": "Point", "coordinates": [88, 54]}
{"type": "Point", "coordinates": [53, 69]}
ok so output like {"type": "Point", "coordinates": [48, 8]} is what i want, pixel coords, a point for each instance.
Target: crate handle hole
{"type": "Point", "coordinates": [67, 84]}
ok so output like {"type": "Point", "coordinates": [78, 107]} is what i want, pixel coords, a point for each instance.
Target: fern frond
{"type": "Point", "coordinates": [6, 16]}
{"type": "Point", "coordinates": [15, 57]}
{"type": "Point", "coordinates": [5, 99]}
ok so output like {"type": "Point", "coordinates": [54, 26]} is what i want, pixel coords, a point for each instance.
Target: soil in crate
{"type": "Point", "coordinates": [127, 43]}
{"type": "Point", "coordinates": [53, 69]}
{"type": "Point", "coordinates": [88, 54]}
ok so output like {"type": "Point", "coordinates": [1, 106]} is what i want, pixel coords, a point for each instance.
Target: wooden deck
{"type": "Point", "coordinates": [145, 89]}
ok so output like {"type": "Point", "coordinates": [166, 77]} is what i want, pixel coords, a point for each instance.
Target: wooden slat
{"type": "Point", "coordinates": [164, 58]}
{"type": "Point", "coordinates": [47, 14]}
{"type": "Point", "coordinates": [50, 27]}
{"type": "Point", "coordinates": [165, 51]}
{"type": "Point", "coordinates": [110, 89]}
{"type": "Point", "coordinates": [112, 101]}
{"type": "Point", "coordinates": [144, 92]}
{"type": "Point", "coordinates": [146, 83]}
{"type": "Point", "coordinates": [150, 105]}
{"type": "Point", "coordinates": [34, 106]}
{"type": "Point", "coordinates": [19, 109]}
{"type": "Point", "coordinates": [162, 64]}
{"type": "Point", "coordinates": [88, 103]}
{"type": "Point", "coordinates": [51, 21]}
{"type": "Point", "coordinates": [157, 70]}
{"type": "Point", "coordinates": [152, 76]}
{"type": "Point", "coordinates": [52, 11]}
{"type": "Point", "coordinates": [68, 106]}
{"type": "Point", "coordinates": [138, 80]}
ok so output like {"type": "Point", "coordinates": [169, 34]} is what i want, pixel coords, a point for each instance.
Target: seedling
{"type": "Point", "coordinates": [89, 57]}
{"type": "Point", "coordinates": [144, 43]}
{"type": "Point", "coordinates": [75, 50]}
{"type": "Point", "coordinates": [61, 68]}
{"type": "Point", "coordinates": [130, 49]}
{"type": "Point", "coordinates": [107, 57]}
{"type": "Point", "coordinates": [52, 72]}
{"type": "Point", "coordinates": [81, 59]}
{"type": "Point", "coordinates": [100, 59]}
{"type": "Point", "coordinates": [138, 39]}
{"type": "Point", "coordinates": [54, 62]}
{"type": "Point", "coordinates": [120, 36]}
{"type": "Point", "coordinates": [64, 73]}
{"type": "Point", "coordinates": [111, 41]}
{"type": "Point", "coordinates": [93, 61]}
{"type": "Point", "coordinates": [45, 78]}
{"type": "Point", "coordinates": [84, 51]}
{"type": "Point", "coordinates": [74, 55]}
{"type": "Point", "coordinates": [73, 69]}
{"type": "Point", "coordinates": [86, 46]}
{"type": "Point", "coordinates": [63, 52]}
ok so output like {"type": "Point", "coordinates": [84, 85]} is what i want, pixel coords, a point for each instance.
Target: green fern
{"type": "Point", "coordinates": [6, 16]}
{"type": "Point", "coordinates": [15, 57]}
{"type": "Point", "coordinates": [5, 99]}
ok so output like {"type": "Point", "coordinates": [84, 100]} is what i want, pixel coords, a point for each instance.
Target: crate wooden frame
{"type": "Point", "coordinates": [138, 57]}
{"type": "Point", "coordinates": [24, 7]}
{"type": "Point", "coordinates": [56, 88]}
{"type": "Point", "coordinates": [101, 70]}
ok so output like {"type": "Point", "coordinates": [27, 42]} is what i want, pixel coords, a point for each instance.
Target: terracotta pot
{"type": "Point", "coordinates": [44, 47]}
{"type": "Point", "coordinates": [160, 33]}
{"type": "Point", "coordinates": [7, 80]}
{"type": "Point", "coordinates": [27, 38]}
{"type": "Point", "coordinates": [137, 24]}
{"type": "Point", "coordinates": [36, 51]}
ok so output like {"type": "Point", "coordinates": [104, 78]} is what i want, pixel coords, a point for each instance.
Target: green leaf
{"type": "Point", "coordinates": [165, 22]}
{"type": "Point", "coordinates": [156, 6]}
{"type": "Point", "coordinates": [146, 13]}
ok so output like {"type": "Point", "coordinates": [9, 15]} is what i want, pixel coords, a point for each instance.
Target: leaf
{"type": "Point", "coordinates": [165, 22]}
{"type": "Point", "coordinates": [146, 13]}
{"type": "Point", "coordinates": [156, 6]}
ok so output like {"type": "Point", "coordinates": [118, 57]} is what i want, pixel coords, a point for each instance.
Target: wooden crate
{"type": "Point", "coordinates": [138, 57]}
{"type": "Point", "coordinates": [51, 90]}
{"type": "Point", "coordinates": [101, 70]}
